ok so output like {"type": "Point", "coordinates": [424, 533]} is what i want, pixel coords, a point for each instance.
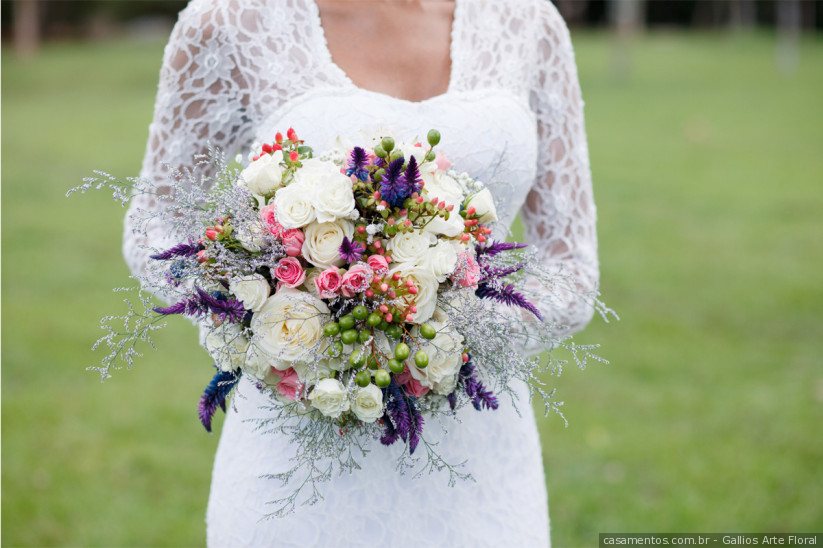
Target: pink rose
{"type": "Point", "coordinates": [411, 384]}
{"type": "Point", "coordinates": [268, 218]}
{"type": "Point", "coordinates": [289, 272]}
{"type": "Point", "coordinates": [289, 385]}
{"type": "Point", "coordinates": [293, 241]}
{"type": "Point", "coordinates": [468, 271]}
{"type": "Point", "coordinates": [379, 264]}
{"type": "Point", "coordinates": [356, 280]}
{"type": "Point", "coordinates": [442, 162]}
{"type": "Point", "coordinates": [328, 283]}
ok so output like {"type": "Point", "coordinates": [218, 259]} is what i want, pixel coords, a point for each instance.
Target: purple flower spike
{"type": "Point", "coordinates": [357, 164]}
{"type": "Point", "coordinates": [493, 248]}
{"type": "Point", "coordinates": [182, 250]}
{"type": "Point", "coordinates": [202, 304]}
{"type": "Point", "coordinates": [402, 420]}
{"type": "Point", "coordinates": [392, 186]}
{"type": "Point", "coordinates": [480, 395]}
{"type": "Point", "coordinates": [507, 295]}
{"type": "Point", "coordinates": [410, 181]}
{"type": "Point", "coordinates": [215, 395]}
{"type": "Point", "coordinates": [351, 251]}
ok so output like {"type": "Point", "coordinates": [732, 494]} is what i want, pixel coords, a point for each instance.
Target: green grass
{"type": "Point", "coordinates": [708, 169]}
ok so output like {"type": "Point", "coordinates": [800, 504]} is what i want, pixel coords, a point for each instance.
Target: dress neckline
{"type": "Point", "coordinates": [326, 53]}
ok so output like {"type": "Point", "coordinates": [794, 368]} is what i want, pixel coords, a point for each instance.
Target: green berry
{"type": "Point", "coordinates": [433, 137]}
{"type": "Point", "coordinates": [382, 378]}
{"type": "Point", "coordinates": [357, 359]}
{"type": "Point", "coordinates": [428, 331]}
{"type": "Point", "coordinates": [396, 155]}
{"type": "Point", "coordinates": [364, 336]}
{"type": "Point", "coordinates": [394, 331]}
{"type": "Point", "coordinates": [402, 351]}
{"type": "Point", "coordinates": [335, 349]}
{"type": "Point", "coordinates": [372, 362]}
{"type": "Point", "coordinates": [374, 319]}
{"type": "Point", "coordinates": [387, 143]}
{"type": "Point", "coordinates": [431, 156]}
{"type": "Point", "coordinates": [421, 359]}
{"type": "Point", "coordinates": [384, 325]}
{"type": "Point", "coordinates": [347, 322]}
{"type": "Point", "coordinates": [396, 366]}
{"type": "Point", "coordinates": [360, 312]}
{"type": "Point", "coordinates": [363, 378]}
{"type": "Point", "coordinates": [379, 151]}
{"type": "Point", "coordinates": [349, 336]}
{"type": "Point", "coordinates": [331, 329]}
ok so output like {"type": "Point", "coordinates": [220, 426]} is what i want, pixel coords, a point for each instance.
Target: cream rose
{"type": "Point", "coordinates": [313, 373]}
{"type": "Point", "coordinates": [441, 260]}
{"type": "Point", "coordinates": [288, 326]}
{"type": "Point", "coordinates": [410, 247]}
{"type": "Point", "coordinates": [331, 191]}
{"type": "Point", "coordinates": [259, 366]}
{"type": "Point", "coordinates": [329, 397]}
{"type": "Point", "coordinates": [445, 359]}
{"type": "Point", "coordinates": [368, 403]}
{"type": "Point", "coordinates": [251, 236]}
{"type": "Point", "coordinates": [426, 298]}
{"type": "Point", "coordinates": [253, 290]}
{"type": "Point", "coordinates": [438, 184]}
{"type": "Point", "coordinates": [322, 244]}
{"type": "Point", "coordinates": [293, 206]}
{"type": "Point", "coordinates": [264, 175]}
{"type": "Point", "coordinates": [227, 346]}
{"type": "Point", "coordinates": [483, 204]}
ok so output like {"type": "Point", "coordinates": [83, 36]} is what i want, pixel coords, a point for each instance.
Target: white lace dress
{"type": "Point", "coordinates": [237, 71]}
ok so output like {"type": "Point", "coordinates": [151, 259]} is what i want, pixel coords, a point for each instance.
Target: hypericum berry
{"type": "Point", "coordinates": [293, 156]}
{"type": "Point", "coordinates": [361, 229]}
{"type": "Point", "coordinates": [331, 329]}
{"type": "Point", "coordinates": [335, 349]}
{"type": "Point", "coordinates": [396, 366]}
{"type": "Point", "coordinates": [380, 152]}
{"type": "Point", "coordinates": [267, 148]}
{"type": "Point", "coordinates": [278, 137]}
{"type": "Point", "coordinates": [413, 290]}
{"type": "Point", "coordinates": [465, 358]}
{"type": "Point", "coordinates": [409, 318]}
{"type": "Point", "coordinates": [387, 143]}
{"type": "Point", "coordinates": [389, 317]}
{"type": "Point", "coordinates": [291, 134]}
{"type": "Point", "coordinates": [349, 336]}
{"type": "Point", "coordinates": [421, 359]}
{"type": "Point", "coordinates": [369, 293]}
{"type": "Point", "coordinates": [394, 331]}
{"type": "Point", "coordinates": [363, 378]}
{"type": "Point", "coordinates": [357, 359]}
{"type": "Point", "coordinates": [346, 322]}
{"type": "Point", "coordinates": [428, 331]}
{"type": "Point", "coordinates": [364, 336]}
{"type": "Point", "coordinates": [384, 308]}
{"type": "Point", "coordinates": [402, 351]}
{"type": "Point", "coordinates": [374, 319]}
{"type": "Point", "coordinates": [470, 211]}
{"type": "Point", "coordinates": [360, 312]}
{"type": "Point", "coordinates": [382, 378]}
{"type": "Point", "coordinates": [413, 309]}
{"type": "Point", "coordinates": [433, 137]}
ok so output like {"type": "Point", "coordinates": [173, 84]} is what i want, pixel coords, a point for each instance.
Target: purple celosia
{"type": "Point", "coordinates": [493, 272]}
{"type": "Point", "coordinates": [182, 250]}
{"type": "Point", "coordinates": [392, 187]}
{"type": "Point", "coordinates": [493, 248]}
{"type": "Point", "coordinates": [357, 164]}
{"type": "Point", "coordinates": [351, 251]}
{"type": "Point", "coordinates": [402, 420]}
{"type": "Point", "coordinates": [202, 303]}
{"type": "Point", "coordinates": [506, 294]}
{"type": "Point", "coordinates": [479, 394]}
{"type": "Point", "coordinates": [215, 394]}
{"type": "Point", "coordinates": [410, 181]}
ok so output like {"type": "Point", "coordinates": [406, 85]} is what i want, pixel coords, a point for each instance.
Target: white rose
{"type": "Point", "coordinates": [322, 244]}
{"type": "Point", "coordinates": [293, 206]}
{"type": "Point", "coordinates": [445, 189]}
{"type": "Point", "coordinates": [227, 346]}
{"type": "Point", "coordinates": [483, 204]}
{"type": "Point", "coordinates": [289, 326]}
{"type": "Point", "coordinates": [445, 359]}
{"type": "Point", "coordinates": [264, 175]}
{"type": "Point", "coordinates": [441, 260]}
{"type": "Point", "coordinates": [330, 398]}
{"type": "Point", "coordinates": [251, 237]}
{"type": "Point", "coordinates": [410, 247]}
{"type": "Point", "coordinates": [331, 191]}
{"type": "Point", "coordinates": [368, 403]}
{"type": "Point", "coordinates": [308, 284]}
{"type": "Point", "coordinates": [314, 372]}
{"type": "Point", "coordinates": [253, 290]}
{"type": "Point", "coordinates": [427, 286]}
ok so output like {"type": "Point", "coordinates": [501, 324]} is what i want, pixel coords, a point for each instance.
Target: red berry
{"type": "Point", "coordinates": [293, 156]}
{"type": "Point", "coordinates": [278, 137]}
{"type": "Point", "coordinates": [267, 148]}
{"type": "Point", "coordinates": [291, 134]}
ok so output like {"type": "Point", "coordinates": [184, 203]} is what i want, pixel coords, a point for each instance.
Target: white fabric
{"type": "Point", "coordinates": [236, 71]}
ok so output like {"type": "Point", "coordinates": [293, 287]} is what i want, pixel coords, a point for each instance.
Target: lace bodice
{"type": "Point", "coordinates": [237, 70]}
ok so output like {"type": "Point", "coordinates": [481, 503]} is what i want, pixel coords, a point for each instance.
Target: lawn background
{"type": "Point", "coordinates": [708, 171]}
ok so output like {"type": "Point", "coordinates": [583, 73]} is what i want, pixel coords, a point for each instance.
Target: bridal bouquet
{"type": "Point", "coordinates": [359, 288]}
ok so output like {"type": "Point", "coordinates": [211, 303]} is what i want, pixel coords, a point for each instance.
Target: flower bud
{"type": "Point", "coordinates": [433, 137]}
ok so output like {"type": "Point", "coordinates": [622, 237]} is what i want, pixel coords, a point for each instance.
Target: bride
{"type": "Point", "coordinates": [498, 80]}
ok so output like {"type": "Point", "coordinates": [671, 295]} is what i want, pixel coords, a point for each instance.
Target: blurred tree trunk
{"type": "Point", "coordinates": [788, 35]}
{"type": "Point", "coordinates": [743, 15]}
{"type": "Point", "coordinates": [627, 17]}
{"type": "Point", "coordinates": [26, 27]}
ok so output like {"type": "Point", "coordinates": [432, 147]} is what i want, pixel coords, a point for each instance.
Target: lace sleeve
{"type": "Point", "coordinates": [202, 98]}
{"type": "Point", "coordinates": [559, 213]}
